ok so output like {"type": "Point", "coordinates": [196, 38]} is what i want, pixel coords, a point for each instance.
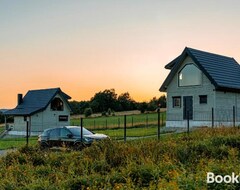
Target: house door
{"type": "Point", "coordinates": [187, 107]}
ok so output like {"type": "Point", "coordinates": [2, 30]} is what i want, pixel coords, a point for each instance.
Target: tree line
{"type": "Point", "coordinates": [108, 101]}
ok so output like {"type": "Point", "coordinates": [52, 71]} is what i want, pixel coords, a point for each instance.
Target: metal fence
{"type": "Point", "coordinates": [125, 127]}
{"type": "Point", "coordinates": [211, 118]}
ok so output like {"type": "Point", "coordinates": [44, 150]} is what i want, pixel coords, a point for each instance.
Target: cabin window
{"type": "Point", "coordinates": [190, 75]}
{"type": "Point", "coordinates": [57, 104]}
{"type": "Point", "coordinates": [63, 118]}
{"type": "Point", "coordinates": [203, 99]}
{"type": "Point", "coordinates": [176, 101]}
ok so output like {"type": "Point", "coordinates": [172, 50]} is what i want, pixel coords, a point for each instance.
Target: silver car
{"type": "Point", "coordinates": [69, 136]}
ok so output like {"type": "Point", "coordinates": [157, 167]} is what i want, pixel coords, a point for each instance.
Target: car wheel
{"type": "Point", "coordinates": [44, 146]}
{"type": "Point", "coordinates": [79, 146]}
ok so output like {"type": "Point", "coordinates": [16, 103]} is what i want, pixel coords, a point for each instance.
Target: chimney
{"type": "Point", "coordinates": [19, 99]}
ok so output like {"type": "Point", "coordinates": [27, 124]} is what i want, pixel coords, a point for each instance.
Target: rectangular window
{"type": "Point", "coordinates": [177, 102]}
{"type": "Point", "coordinates": [63, 117]}
{"type": "Point", "coordinates": [203, 99]}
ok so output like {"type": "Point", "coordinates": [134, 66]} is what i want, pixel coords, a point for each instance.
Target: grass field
{"type": "Point", "coordinates": [16, 142]}
{"type": "Point", "coordinates": [136, 120]}
{"type": "Point", "coordinates": [178, 161]}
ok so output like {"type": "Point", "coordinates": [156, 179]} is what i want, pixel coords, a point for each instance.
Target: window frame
{"type": "Point", "coordinates": [176, 98]}
{"type": "Point", "coordinates": [203, 97]}
{"type": "Point", "coordinates": [54, 104]}
{"type": "Point", "coordinates": [183, 69]}
{"type": "Point", "coordinates": [63, 118]}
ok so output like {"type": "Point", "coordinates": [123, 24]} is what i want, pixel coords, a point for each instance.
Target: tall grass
{"type": "Point", "coordinates": [178, 162]}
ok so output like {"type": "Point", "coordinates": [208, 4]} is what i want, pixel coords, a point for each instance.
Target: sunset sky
{"type": "Point", "coordinates": [87, 46]}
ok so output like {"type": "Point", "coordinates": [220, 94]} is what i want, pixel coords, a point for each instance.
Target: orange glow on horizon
{"type": "Point", "coordinates": [85, 47]}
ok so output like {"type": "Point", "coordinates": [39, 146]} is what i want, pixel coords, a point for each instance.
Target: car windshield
{"type": "Point", "coordinates": [77, 131]}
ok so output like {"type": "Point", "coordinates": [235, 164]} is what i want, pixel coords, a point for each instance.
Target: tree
{"type": "Point", "coordinates": [79, 107]}
{"type": "Point", "coordinates": [104, 100]}
{"type": "Point", "coordinates": [126, 102]}
{"type": "Point", "coordinates": [162, 101]}
{"type": "Point", "coordinates": [88, 112]}
{"type": "Point", "coordinates": [153, 104]}
{"type": "Point", "coordinates": [142, 106]}
{"type": "Point", "coordinates": [2, 119]}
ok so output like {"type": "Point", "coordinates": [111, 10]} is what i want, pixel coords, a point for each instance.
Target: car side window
{"type": "Point", "coordinates": [64, 132]}
{"type": "Point", "coordinates": [55, 133]}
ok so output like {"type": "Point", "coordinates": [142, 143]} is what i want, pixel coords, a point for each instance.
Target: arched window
{"type": "Point", "coordinates": [190, 75]}
{"type": "Point", "coordinates": [57, 104]}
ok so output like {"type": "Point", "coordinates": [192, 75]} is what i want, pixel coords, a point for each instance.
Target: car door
{"type": "Point", "coordinates": [54, 137]}
{"type": "Point", "coordinates": [66, 137]}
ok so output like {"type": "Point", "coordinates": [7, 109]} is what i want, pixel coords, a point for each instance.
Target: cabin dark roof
{"type": "Point", "coordinates": [222, 71]}
{"type": "Point", "coordinates": [36, 100]}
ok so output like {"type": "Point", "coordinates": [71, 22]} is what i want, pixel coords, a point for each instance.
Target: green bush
{"type": "Point", "coordinates": [104, 113]}
{"type": "Point", "coordinates": [88, 112]}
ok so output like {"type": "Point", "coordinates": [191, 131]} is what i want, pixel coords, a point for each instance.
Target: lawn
{"type": "Point", "coordinates": [178, 161]}
{"type": "Point", "coordinates": [138, 120]}
{"type": "Point", "coordinates": [16, 142]}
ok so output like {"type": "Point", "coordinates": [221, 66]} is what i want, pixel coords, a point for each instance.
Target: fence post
{"type": "Point", "coordinates": [234, 116]}
{"type": "Point", "coordinates": [81, 125]}
{"type": "Point", "coordinates": [159, 124]}
{"type": "Point", "coordinates": [188, 122]}
{"type": "Point", "coordinates": [118, 122]}
{"type": "Point", "coordinates": [125, 128]}
{"type": "Point", "coordinates": [212, 117]}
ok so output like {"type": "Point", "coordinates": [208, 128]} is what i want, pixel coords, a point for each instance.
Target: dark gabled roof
{"type": "Point", "coordinates": [222, 71]}
{"type": "Point", "coordinates": [172, 63]}
{"type": "Point", "coordinates": [37, 100]}
{"type": "Point", "coordinates": [3, 110]}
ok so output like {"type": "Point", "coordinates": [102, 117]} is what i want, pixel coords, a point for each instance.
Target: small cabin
{"type": "Point", "coordinates": [44, 108]}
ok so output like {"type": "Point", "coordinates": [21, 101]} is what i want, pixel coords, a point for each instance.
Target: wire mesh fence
{"type": "Point", "coordinates": [137, 126]}
{"type": "Point", "coordinates": [211, 117]}
{"type": "Point", "coordinates": [116, 127]}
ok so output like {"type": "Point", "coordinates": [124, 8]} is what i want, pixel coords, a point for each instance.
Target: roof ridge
{"type": "Point", "coordinates": [189, 48]}
{"type": "Point", "coordinates": [35, 90]}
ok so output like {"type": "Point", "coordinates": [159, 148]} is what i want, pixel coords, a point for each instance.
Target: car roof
{"type": "Point", "coordinates": [68, 127]}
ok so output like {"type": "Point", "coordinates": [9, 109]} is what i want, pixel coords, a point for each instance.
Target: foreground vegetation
{"type": "Point", "coordinates": [176, 162]}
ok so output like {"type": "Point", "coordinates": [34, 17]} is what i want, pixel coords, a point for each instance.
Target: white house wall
{"type": "Point", "coordinates": [224, 107]}
{"type": "Point", "coordinates": [51, 118]}
{"type": "Point", "coordinates": [201, 112]}
{"type": "Point", "coordinates": [19, 123]}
